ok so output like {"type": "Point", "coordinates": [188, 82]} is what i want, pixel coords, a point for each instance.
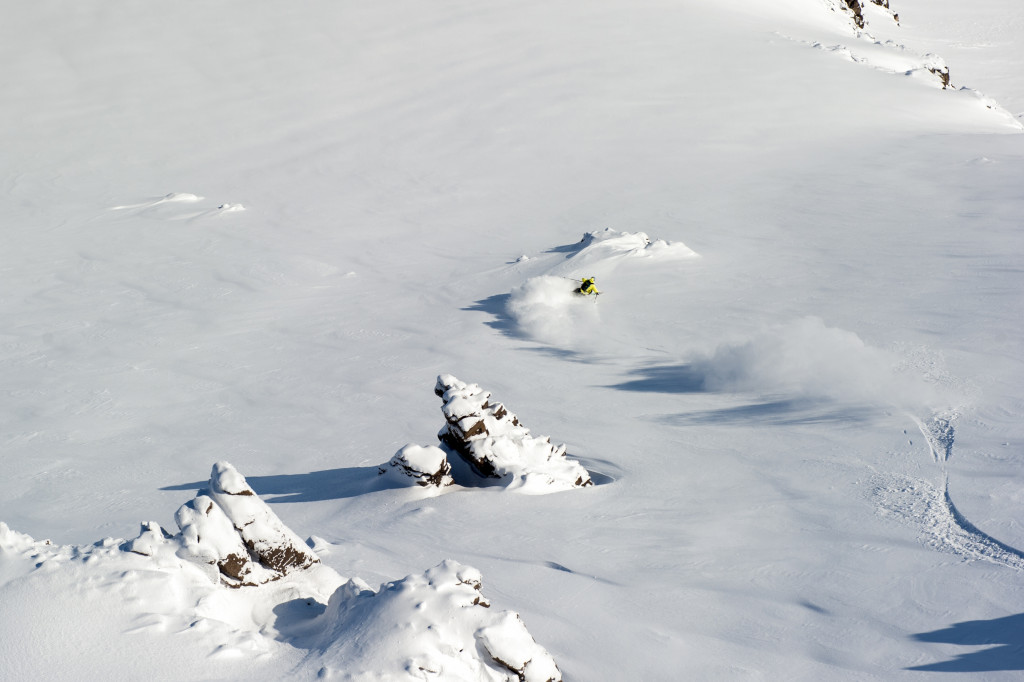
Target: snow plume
{"type": "Point", "coordinates": [807, 358]}
{"type": "Point", "coordinates": [546, 309]}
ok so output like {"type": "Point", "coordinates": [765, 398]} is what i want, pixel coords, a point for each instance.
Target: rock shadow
{"type": "Point", "coordinates": [497, 307]}
{"type": "Point", "coordinates": [1004, 635]}
{"type": "Point", "coordinates": [316, 486]}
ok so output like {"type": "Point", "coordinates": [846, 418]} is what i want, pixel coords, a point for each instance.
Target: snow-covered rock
{"type": "Point", "coordinates": [423, 465]}
{"type": "Point", "coordinates": [436, 625]}
{"type": "Point", "coordinates": [209, 537]}
{"type": "Point", "coordinates": [272, 544]}
{"type": "Point", "coordinates": [229, 528]}
{"type": "Point", "coordinates": [855, 8]}
{"type": "Point", "coordinates": [496, 445]}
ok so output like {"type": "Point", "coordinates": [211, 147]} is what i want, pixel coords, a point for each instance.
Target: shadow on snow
{"type": "Point", "coordinates": [691, 379]}
{"type": "Point", "coordinates": [1004, 635]}
{"type": "Point", "coordinates": [496, 306]}
{"type": "Point", "coordinates": [316, 486]}
{"type": "Point", "coordinates": [338, 484]}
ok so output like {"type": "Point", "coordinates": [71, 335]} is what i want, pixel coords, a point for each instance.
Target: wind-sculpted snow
{"type": "Point", "coordinates": [496, 445]}
{"type": "Point", "coordinates": [437, 625]}
{"type": "Point", "coordinates": [605, 248]}
{"type": "Point", "coordinates": [891, 57]}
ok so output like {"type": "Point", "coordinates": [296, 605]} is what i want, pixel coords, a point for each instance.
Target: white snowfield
{"type": "Point", "coordinates": [256, 233]}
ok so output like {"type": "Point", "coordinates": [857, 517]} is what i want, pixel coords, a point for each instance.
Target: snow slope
{"type": "Point", "coordinates": [259, 232]}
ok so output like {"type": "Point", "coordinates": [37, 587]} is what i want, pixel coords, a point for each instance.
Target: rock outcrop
{"type": "Point", "coordinates": [229, 528]}
{"type": "Point", "coordinates": [855, 8]}
{"type": "Point", "coordinates": [496, 445]}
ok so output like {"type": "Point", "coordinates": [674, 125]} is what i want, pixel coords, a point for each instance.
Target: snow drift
{"type": "Point", "coordinates": [437, 625]}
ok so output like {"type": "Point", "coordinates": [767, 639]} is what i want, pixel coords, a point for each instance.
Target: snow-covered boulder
{"type": "Point", "coordinates": [423, 465]}
{"type": "Point", "coordinates": [496, 445]}
{"type": "Point", "coordinates": [209, 537]}
{"type": "Point", "coordinates": [272, 544]}
{"type": "Point", "coordinates": [232, 530]}
{"type": "Point", "coordinates": [436, 625]}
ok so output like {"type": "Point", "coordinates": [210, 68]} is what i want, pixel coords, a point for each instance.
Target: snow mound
{"type": "Point", "coordinates": [426, 466]}
{"type": "Point", "coordinates": [608, 246]}
{"type": "Point", "coordinates": [232, 530]}
{"type": "Point", "coordinates": [437, 625]}
{"type": "Point", "coordinates": [496, 445]}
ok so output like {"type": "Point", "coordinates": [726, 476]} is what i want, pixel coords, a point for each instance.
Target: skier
{"type": "Point", "coordinates": [587, 287]}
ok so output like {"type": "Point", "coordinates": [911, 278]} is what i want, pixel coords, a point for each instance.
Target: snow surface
{"type": "Point", "coordinates": [256, 233]}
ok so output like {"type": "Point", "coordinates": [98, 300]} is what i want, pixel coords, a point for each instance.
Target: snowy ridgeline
{"type": "Point", "coordinates": [492, 441]}
{"type": "Point", "coordinates": [437, 624]}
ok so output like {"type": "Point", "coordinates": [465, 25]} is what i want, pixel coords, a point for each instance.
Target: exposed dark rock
{"type": "Point", "coordinates": [943, 73]}
{"type": "Point", "coordinates": [857, 9]}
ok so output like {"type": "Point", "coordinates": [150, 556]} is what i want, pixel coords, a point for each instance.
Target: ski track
{"type": "Point", "coordinates": [943, 526]}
